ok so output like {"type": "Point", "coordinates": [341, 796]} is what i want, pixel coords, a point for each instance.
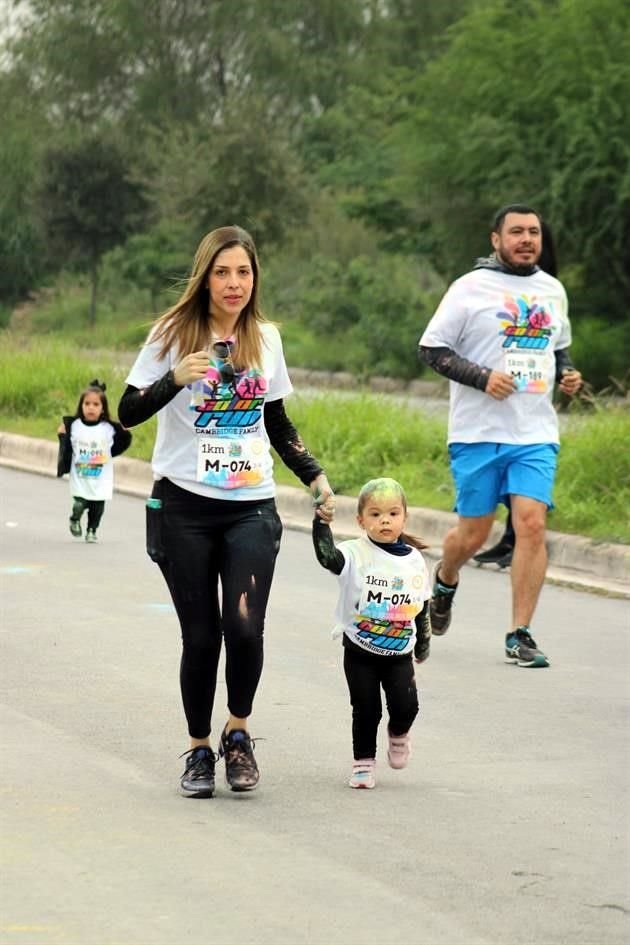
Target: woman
{"type": "Point", "coordinates": [213, 370]}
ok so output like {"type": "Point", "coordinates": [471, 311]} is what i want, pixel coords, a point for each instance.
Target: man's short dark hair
{"type": "Point", "coordinates": [501, 214]}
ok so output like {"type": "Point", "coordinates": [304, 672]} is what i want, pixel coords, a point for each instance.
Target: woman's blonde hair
{"type": "Point", "coordinates": [185, 325]}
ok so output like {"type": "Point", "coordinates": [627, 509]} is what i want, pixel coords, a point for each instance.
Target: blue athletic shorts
{"type": "Point", "coordinates": [488, 473]}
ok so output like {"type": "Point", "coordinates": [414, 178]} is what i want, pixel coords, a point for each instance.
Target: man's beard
{"type": "Point", "coordinates": [520, 269]}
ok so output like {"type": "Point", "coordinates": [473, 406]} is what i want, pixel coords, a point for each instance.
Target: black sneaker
{"type": "Point", "coordinates": [241, 770]}
{"type": "Point", "coordinates": [441, 603]}
{"type": "Point", "coordinates": [75, 527]}
{"type": "Point", "coordinates": [521, 649]}
{"type": "Point", "coordinates": [500, 554]}
{"type": "Point", "coordinates": [423, 639]}
{"type": "Point", "coordinates": [198, 777]}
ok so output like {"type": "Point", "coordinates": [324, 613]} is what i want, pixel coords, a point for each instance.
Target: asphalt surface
{"type": "Point", "coordinates": [509, 827]}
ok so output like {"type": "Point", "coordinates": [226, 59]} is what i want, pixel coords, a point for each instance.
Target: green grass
{"type": "Point", "coordinates": [355, 437]}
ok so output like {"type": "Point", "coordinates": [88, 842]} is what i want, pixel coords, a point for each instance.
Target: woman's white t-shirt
{"type": "Point", "coordinates": [506, 323]}
{"type": "Point", "coordinates": [92, 469]}
{"type": "Point", "coordinates": [379, 597]}
{"type": "Point", "coordinates": [211, 438]}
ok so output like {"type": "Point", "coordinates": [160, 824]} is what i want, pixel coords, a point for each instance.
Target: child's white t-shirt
{"type": "Point", "coordinates": [505, 323]}
{"type": "Point", "coordinates": [211, 438]}
{"type": "Point", "coordinates": [380, 595]}
{"type": "Point", "coordinates": [92, 468]}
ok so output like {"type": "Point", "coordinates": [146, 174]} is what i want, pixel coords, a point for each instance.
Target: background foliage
{"type": "Point", "coordinates": [352, 435]}
{"type": "Point", "coordinates": [365, 144]}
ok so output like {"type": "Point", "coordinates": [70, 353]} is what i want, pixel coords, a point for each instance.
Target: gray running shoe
{"type": "Point", "coordinates": [75, 527]}
{"type": "Point", "coordinates": [521, 649]}
{"type": "Point", "coordinates": [198, 777]}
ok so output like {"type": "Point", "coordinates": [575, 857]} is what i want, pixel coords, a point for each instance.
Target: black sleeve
{"type": "Point", "coordinates": [423, 634]}
{"type": "Point", "coordinates": [288, 445]}
{"type": "Point", "coordinates": [456, 368]}
{"type": "Point", "coordinates": [563, 362]}
{"type": "Point", "coordinates": [327, 554]}
{"type": "Point", "coordinates": [423, 621]}
{"type": "Point", "coordinates": [122, 439]}
{"type": "Point", "coordinates": [137, 405]}
{"type": "Point", "coordinates": [64, 453]}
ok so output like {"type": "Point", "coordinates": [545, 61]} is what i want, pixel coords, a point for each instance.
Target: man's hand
{"type": "Point", "coordinates": [570, 382]}
{"type": "Point", "coordinates": [500, 385]}
{"type": "Point", "coordinates": [191, 368]}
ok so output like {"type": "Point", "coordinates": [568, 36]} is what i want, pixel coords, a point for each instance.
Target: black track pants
{"type": "Point", "coordinates": [365, 674]}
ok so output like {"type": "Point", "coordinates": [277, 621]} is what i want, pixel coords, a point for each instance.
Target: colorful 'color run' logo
{"type": "Point", "coordinates": [525, 323]}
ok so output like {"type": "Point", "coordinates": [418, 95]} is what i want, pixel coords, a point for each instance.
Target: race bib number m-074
{"type": "Point", "coordinates": [231, 462]}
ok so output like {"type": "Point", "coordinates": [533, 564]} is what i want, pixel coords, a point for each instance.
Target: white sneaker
{"type": "Point", "coordinates": [399, 750]}
{"type": "Point", "coordinates": [363, 773]}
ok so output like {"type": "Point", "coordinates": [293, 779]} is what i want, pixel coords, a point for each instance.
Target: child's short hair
{"type": "Point", "coordinates": [384, 488]}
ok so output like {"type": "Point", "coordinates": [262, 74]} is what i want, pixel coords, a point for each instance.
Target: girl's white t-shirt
{"type": "Point", "coordinates": [211, 438]}
{"type": "Point", "coordinates": [379, 597]}
{"type": "Point", "coordinates": [505, 323]}
{"type": "Point", "coordinates": [92, 469]}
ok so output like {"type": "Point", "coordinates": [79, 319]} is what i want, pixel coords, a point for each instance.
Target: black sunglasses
{"type": "Point", "coordinates": [223, 349]}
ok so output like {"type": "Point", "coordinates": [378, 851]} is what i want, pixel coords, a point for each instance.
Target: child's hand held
{"type": "Point", "coordinates": [324, 498]}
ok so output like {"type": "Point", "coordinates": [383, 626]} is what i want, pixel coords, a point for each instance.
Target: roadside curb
{"type": "Point", "coordinates": [574, 561]}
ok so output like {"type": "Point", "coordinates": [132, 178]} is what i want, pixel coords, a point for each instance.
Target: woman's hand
{"type": "Point", "coordinates": [324, 498]}
{"type": "Point", "coordinates": [191, 368]}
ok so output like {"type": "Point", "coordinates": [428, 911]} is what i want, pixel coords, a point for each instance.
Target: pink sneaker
{"type": "Point", "coordinates": [399, 750]}
{"type": "Point", "coordinates": [363, 774]}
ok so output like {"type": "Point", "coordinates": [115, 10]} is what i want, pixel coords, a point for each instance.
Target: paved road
{"type": "Point", "coordinates": [510, 826]}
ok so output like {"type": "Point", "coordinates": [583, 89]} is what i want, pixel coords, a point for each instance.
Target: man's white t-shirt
{"type": "Point", "coordinates": [380, 595]}
{"type": "Point", "coordinates": [505, 323]}
{"type": "Point", "coordinates": [211, 438]}
{"type": "Point", "coordinates": [92, 469]}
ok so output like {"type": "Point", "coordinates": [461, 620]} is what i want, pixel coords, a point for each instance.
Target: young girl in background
{"type": "Point", "coordinates": [87, 443]}
{"type": "Point", "coordinates": [382, 616]}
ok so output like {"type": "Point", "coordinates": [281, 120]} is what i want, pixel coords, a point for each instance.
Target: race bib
{"type": "Point", "coordinates": [89, 470]}
{"type": "Point", "coordinates": [528, 370]}
{"type": "Point", "coordinates": [89, 461]}
{"type": "Point", "coordinates": [231, 462]}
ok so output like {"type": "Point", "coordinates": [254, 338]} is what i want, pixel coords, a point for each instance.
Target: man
{"type": "Point", "coordinates": [502, 552]}
{"type": "Point", "coordinates": [501, 335]}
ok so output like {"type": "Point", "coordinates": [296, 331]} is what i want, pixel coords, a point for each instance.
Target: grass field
{"type": "Point", "coordinates": [354, 437]}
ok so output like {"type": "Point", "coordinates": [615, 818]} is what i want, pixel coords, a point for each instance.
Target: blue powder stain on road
{"type": "Point", "coordinates": [16, 569]}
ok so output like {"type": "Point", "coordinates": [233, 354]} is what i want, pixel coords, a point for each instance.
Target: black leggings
{"type": "Point", "coordinates": [94, 508]}
{"type": "Point", "coordinates": [207, 540]}
{"type": "Point", "coordinates": [365, 674]}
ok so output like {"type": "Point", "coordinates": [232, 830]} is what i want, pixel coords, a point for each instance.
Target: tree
{"type": "Point", "coordinates": [159, 63]}
{"type": "Point", "coordinates": [88, 204]}
{"type": "Point", "coordinates": [246, 175]}
{"type": "Point", "coordinates": [154, 260]}
{"type": "Point", "coordinates": [21, 248]}
{"type": "Point", "coordinates": [528, 102]}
